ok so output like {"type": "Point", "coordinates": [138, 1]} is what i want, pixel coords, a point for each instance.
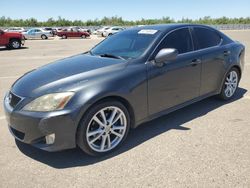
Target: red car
{"type": "Point", "coordinates": [11, 40]}
{"type": "Point", "coordinates": [72, 33]}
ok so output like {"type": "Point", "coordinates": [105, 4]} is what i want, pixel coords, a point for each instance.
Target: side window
{"type": "Point", "coordinates": [206, 38]}
{"type": "Point", "coordinates": [180, 40]}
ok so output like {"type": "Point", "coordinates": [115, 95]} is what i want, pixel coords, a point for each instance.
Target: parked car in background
{"type": "Point", "coordinates": [66, 33]}
{"type": "Point", "coordinates": [11, 40]}
{"type": "Point", "coordinates": [15, 29]}
{"type": "Point", "coordinates": [93, 99]}
{"type": "Point", "coordinates": [86, 30]}
{"type": "Point", "coordinates": [52, 30]}
{"type": "Point", "coordinates": [111, 31]}
{"type": "Point", "coordinates": [37, 33]}
{"type": "Point", "coordinates": [57, 29]}
{"type": "Point", "coordinates": [101, 30]}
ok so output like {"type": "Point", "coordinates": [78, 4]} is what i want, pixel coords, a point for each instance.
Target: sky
{"type": "Point", "coordinates": [127, 9]}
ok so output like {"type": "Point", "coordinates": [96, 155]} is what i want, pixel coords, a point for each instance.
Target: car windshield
{"type": "Point", "coordinates": [128, 44]}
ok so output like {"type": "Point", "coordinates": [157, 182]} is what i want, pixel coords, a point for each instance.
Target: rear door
{"type": "Point", "coordinates": [208, 44]}
{"type": "Point", "coordinates": [177, 81]}
{"type": "Point", "coordinates": [78, 33]}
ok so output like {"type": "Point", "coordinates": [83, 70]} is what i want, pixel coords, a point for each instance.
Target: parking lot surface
{"type": "Point", "coordinates": [206, 144]}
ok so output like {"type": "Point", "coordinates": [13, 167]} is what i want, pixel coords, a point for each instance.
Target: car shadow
{"type": "Point", "coordinates": [8, 49]}
{"type": "Point", "coordinates": [146, 131]}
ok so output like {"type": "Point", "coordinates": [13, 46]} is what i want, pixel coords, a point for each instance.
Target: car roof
{"type": "Point", "coordinates": [167, 27]}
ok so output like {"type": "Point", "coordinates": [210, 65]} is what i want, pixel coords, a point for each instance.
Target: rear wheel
{"type": "Point", "coordinates": [15, 44]}
{"type": "Point", "coordinates": [64, 36]}
{"type": "Point", "coordinates": [103, 128]}
{"type": "Point", "coordinates": [230, 84]}
{"type": "Point", "coordinates": [44, 37]}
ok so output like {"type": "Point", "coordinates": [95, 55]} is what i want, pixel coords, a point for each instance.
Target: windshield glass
{"type": "Point", "coordinates": [127, 44]}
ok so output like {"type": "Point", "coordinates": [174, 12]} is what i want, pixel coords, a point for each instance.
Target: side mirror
{"type": "Point", "coordinates": [1, 32]}
{"type": "Point", "coordinates": [166, 54]}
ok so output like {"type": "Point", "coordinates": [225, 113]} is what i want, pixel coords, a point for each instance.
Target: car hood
{"type": "Point", "coordinates": [13, 34]}
{"type": "Point", "coordinates": [65, 73]}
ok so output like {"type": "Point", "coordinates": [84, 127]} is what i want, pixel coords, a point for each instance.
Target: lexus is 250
{"type": "Point", "coordinates": [93, 99]}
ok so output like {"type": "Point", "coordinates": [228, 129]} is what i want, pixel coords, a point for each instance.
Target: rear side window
{"type": "Point", "coordinates": [180, 40]}
{"type": "Point", "coordinates": [206, 38]}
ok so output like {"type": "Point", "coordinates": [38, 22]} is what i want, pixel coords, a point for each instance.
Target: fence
{"type": "Point", "coordinates": [219, 27]}
{"type": "Point", "coordinates": [232, 27]}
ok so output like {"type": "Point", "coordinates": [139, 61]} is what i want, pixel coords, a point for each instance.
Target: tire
{"type": "Point", "coordinates": [15, 44]}
{"type": "Point", "coordinates": [230, 84]}
{"type": "Point", "coordinates": [44, 37]}
{"type": "Point", "coordinates": [103, 134]}
{"type": "Point", "coordinates": [83, 36]}
{"type": "Point", "coordinates": [64, 36]}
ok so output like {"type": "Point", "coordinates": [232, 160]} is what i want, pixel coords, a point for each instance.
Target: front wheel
{"type": "Point", "coordinates": [83, 36]}
{"type": "Point", "coordinates": [15, 44]}
{"type": "Point", "coordinates": [230, 84]}
{"type": "Point", "coordinates": [103, 128]}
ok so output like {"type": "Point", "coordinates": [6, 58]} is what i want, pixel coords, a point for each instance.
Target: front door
{"type": "Point", "coordinates": [38, 33]}
{"type": "Point", "coordinates": [31, 33]}
{"type": "Point", "coordinates": [177, 81]}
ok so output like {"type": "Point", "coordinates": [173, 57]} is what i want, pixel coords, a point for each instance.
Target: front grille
{"type": "Point", "coordinates": [13, 99]}
{"type": "Point", "coordinates": [18, 134]}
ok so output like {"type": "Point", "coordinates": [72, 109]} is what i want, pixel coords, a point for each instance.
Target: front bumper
{"type": "Point", "coordinates": [32, 127]}
{"type": "Point", "coordinates": [23, 41]}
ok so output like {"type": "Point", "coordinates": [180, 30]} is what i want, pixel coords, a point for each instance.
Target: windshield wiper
{"type": "Point", "coordinates": [111, 56]}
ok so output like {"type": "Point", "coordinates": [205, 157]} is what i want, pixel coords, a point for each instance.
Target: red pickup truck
{"type": "Point", "coordinates": [11, 40]}
{"type": "Point", "coordinates": [72, 33]}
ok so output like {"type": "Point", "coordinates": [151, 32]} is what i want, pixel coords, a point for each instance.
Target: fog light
{"type": "Point", "coordinates": [50, 139]}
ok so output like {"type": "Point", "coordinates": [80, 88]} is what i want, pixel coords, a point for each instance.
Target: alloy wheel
{"type": "Point", "coordinates": [231, 83]}
{"type": "Point", "coordinates": [106, 129]}
{"type": "Point", "coordinates": [15, 44]}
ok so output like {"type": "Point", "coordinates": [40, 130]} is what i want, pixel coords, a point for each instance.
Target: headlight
{"type": "Point", "coordinates": [49, 102]}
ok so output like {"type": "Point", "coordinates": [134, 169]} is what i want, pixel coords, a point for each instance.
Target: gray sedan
{"type": "Point", "coordinates": [37, 33]}
{"type": "Point", "coordinates": [93, 99]}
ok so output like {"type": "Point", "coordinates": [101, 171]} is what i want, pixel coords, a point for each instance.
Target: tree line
{"type": "Point", "coordinates": [119, 21]}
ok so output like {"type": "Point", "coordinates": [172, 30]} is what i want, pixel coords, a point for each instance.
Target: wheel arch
{"type": "Point", "coordinates": [124, 101]}
{"type": "Point", "coordinates": [121, 99]}
{"type": "Point", "coordinates": [224, 76]}
{"type": "Point", "coordinates": [14, 38]}
{"type": "Point", "coordinates": [44, 35]}
{"type": "Point", "coordinates": [238, 68]}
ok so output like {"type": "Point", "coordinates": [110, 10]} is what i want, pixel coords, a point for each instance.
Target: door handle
{"type": "Point", "coordinates": [227, 52]}
{"type": "Point", "coordinates": [195, 62]}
